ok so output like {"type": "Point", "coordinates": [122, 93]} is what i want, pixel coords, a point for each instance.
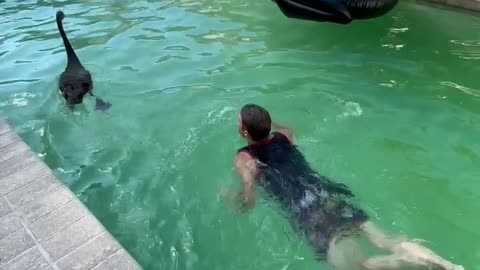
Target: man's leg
{"type": "Point", "coordinates": [384, 262]}
{"type": "Point", "coordinates": [345, 254]}
{"type": "Point", "coordinates": [405, 253]}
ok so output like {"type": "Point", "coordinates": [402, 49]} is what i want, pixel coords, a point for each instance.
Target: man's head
{"type": "Point", "coordinates": [254, 122]}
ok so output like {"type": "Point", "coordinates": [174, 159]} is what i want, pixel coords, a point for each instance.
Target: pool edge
{"type": "Point", "coordinates": [470, 6]}
{"type": "Point", "coordinates": [42, 223]}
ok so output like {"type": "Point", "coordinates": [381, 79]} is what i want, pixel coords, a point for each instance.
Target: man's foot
{"type": "Point", "coordinates": [417, 255]}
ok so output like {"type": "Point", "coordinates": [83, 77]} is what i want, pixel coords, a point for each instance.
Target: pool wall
{"type": "Point", "coordinates": [43, 225]}
{"type": "Point", "coordinates": [473, 5]}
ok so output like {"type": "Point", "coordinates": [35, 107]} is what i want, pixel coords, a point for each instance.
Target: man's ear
{"type": "Point", "coordinates": [245, 133]}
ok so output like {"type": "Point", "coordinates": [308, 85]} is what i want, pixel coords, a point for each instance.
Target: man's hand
{"type": "Point", "coordinates": [284, 130]}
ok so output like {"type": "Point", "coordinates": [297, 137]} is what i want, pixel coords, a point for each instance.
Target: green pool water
{"type": "Point", "coordinates": [390, 107]}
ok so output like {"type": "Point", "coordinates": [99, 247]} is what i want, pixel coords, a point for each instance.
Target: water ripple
{"type": "Point", "coordinates": [467, 49]}
{"type": "Point", "coordinates": [466, 90]}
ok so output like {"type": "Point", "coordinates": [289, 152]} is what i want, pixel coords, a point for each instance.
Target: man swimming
{"type": "Point", "coordinates": [318, 208]}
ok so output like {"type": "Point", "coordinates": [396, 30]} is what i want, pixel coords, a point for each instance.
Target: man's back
{"type": "Point", "coordinates": [286, 175]}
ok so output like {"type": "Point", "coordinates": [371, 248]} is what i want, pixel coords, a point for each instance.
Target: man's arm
{"type": "Point", "coordinates": [284, 130]}
{"type": "Point", "coordinates": [246, 169]}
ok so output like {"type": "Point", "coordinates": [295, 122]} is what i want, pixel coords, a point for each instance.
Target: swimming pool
{"type": "Point", "coordinates": [391, 107]}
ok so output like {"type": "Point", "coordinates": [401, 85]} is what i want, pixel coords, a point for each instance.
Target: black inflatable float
{"type": "Point", "coordinates": [335, 11]}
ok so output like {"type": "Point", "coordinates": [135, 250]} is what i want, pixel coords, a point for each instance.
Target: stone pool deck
{"type": "Point", "coordinates": [43, 226]}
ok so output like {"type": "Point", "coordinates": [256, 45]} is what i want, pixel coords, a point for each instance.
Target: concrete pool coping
{"type": "Point", "coordinates": [467, 5]}
{"type": "Point", "coordinates": [43, 225]}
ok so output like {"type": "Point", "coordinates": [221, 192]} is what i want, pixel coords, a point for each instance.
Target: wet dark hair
{"type": "Point", "coordinates": [256, 120]}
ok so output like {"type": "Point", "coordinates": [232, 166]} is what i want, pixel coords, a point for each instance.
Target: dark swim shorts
{"type": "Point", "coordinates": [319, 221]}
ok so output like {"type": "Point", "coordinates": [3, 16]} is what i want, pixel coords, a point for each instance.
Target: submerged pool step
{"type": "Point", "coordinates": [43, 225]}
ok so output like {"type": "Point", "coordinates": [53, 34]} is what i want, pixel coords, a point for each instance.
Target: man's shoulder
{"type": "Point", "coordinates": [243, 154]}
{"type": "Point", "coordinates": [243, 159]}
